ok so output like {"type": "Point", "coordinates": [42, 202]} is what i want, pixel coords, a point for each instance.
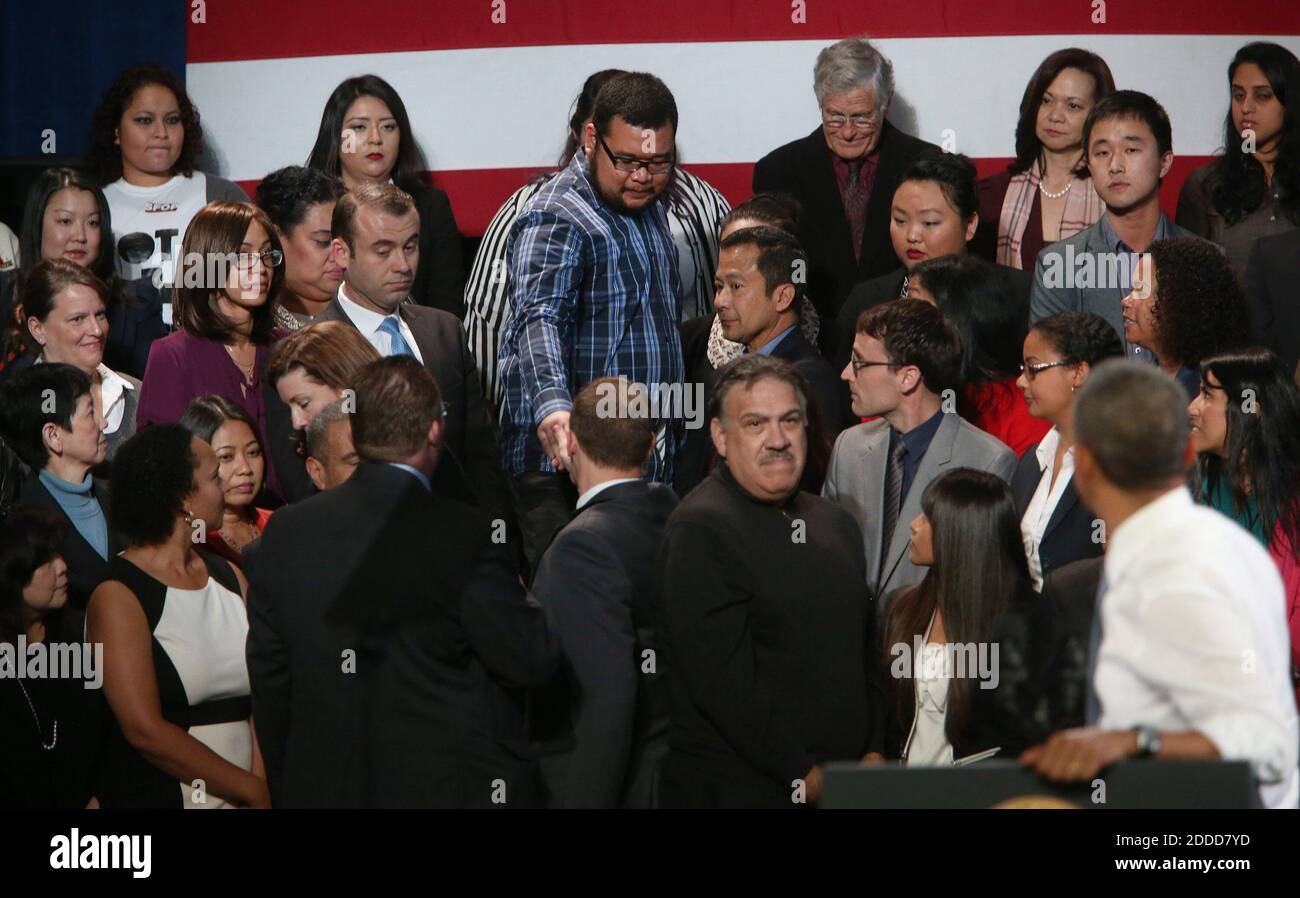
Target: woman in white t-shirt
{"type": "Point", "coordinates": [145, 142]}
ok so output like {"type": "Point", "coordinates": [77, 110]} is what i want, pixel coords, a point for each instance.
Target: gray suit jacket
{"type": "Point", "coordinates": [856, 480]}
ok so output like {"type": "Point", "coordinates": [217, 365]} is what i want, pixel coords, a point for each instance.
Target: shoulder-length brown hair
{"type": "Point", "coordinates": [213, 235]}
{"type": "Point", "coordinates": [36, 293]}
{"type": "Point", "coordinates": [330, 352]}
{"type": "Point", "coordinates": [1028, 146]}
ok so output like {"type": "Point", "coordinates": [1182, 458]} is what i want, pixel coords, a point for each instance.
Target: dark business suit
{"type": "Point", "coordinates": [385, 626]}
{"type": "Point", "coordinates": [86, 567]}
{"type": "Point", "coordinates": [599, 582]}
{"type": "Point", "coordinates": [1271, 278]}
{"type": "Point", "coordinates": [1071, 592]}
{"type": "Point", "coordinates": [469, 439]}
{"type": "Point", "coordinates": [440, 274]}
{"type": "Point", "coordinates": [804, 168]}
{"type": "Point", "coordinates": [1068, 536]}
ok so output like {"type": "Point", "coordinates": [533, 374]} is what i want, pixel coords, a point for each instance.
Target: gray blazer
{"type": "Point", "coordinates": [856, 480]}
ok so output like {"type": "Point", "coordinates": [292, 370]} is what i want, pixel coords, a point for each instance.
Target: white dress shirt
{"type": "Point", "coordinates": [1045, 499]}
{"type": "Point", "coordinates": [927, 744]}
{"type": "Point", "coordinates": [1194, 637]}
{"type": "Point", "coordinates": [112, 390]}
{"type": "Point", "coordinates": [368, 323]}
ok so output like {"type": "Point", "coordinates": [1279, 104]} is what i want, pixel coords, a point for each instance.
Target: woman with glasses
{"type": "Point", "coordinates": [229, 279]}
{"type": "Point", "coordinates": [1184, 306]}
{"type": "Point", "coordinates": [145, 144]}
{"type": "Point", "coordinates": [66, 217]}
{"type": "Point", "coordinates": [1059, 354]}
{"type": "Point", "coordinates": [365, 136]}
{"type": "Point", "coordinates": [1253, 189]}
{"type": "Point", "coordinates": [695, 209]}
{"type": "Point", "coordinates": [1246, 429]}
{"type": "Point", "coordinates": [1046, 193]}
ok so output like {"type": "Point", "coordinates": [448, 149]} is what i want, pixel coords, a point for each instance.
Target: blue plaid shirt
{"type": "Point", "coordinates": [593, 293]}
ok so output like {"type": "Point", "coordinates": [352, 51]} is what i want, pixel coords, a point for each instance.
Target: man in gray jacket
{"type": "Point", "coordinates": [903, 370]}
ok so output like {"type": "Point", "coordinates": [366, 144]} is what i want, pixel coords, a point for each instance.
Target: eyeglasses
{"type": "Point", "coordinates": [1032, 371]}
{"type": "Point", "coordinates": [631, 163]}
{"type": "Point", "coordinates": [837, 120]}
{"type": "Point", "coordinates": [858, 364]}
{"type": "Point", "coordinates": [271, 259]}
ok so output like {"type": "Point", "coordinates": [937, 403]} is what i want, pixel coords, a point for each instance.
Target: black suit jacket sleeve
{"type": "Point", "coordinates": [505, 625]}
{"type": "Point", "coordinates": [482, 454]}
{"type": "Point", "coordinates": [440, 277]}
{"type": "Point", "coordinates": [707, 609]}
{"type": "Point", "coordinates": [590, 604]}
{"type": "Point", "coordinates": [268, 675]}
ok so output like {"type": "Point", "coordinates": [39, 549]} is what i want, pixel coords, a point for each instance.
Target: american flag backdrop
{"type": "Point", "coordinates": [489, 83]}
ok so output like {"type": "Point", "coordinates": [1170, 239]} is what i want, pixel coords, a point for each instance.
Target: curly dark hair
{"type": "Point", "coordinates": [30, 538]}
{"type": "Point", "coordinates": [1080, 337]}
{"type": "Point", "coordinates": [105, 155]}
{"type": "Point", "coordinates": [1199, 308]}
{"type": "Point", "coordinates": [287, 194]}
{"type": "Point", "coordinates": [1237, 185]}
{"type": "Point", "coordinates": [153, 472]}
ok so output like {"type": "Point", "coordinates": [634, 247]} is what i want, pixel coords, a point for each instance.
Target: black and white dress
{"type": "Point", "coordinates": [198, 654]}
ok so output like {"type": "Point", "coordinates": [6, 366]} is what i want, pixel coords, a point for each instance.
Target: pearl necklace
{"type": "Point", "coordinates": [40, 731]}
{"type": "Point", "coordinates": [1054, 196]}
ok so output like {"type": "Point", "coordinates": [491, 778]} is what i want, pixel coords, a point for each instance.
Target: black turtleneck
{"type": "Point", "coordinates": [768, 640]}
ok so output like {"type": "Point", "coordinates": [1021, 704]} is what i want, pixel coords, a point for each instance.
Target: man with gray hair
{"type": "Point", "coordinates": [767, 639]}
{"type": "Point", "coordinates": [1189, 656]}
{"type": "Point", "coordinates": [844, 174]}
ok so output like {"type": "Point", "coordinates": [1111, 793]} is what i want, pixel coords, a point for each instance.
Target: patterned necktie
{"type": "Point", "coordinates": [1092, 708]}
{"type": "Point", "coordinates": [893, 498]}
{"type": "Point", "coordinates": [397, 344]}
{"type": "Point", "coordinates": [855, 206]}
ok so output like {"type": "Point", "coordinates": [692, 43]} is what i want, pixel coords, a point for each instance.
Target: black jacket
{"type": "Point", "coordinates": [1271, 277]}
{"type": "Point", "coordinates": [804, 169]}
{"type": "Point", "coordinates": [1069, 533]}
{"type": "Point", "coordinates": [85, 566]}
{"type": "Point", "coordinates": [440, 275]}
{"type": "Point", "coordinates": [768, 645]}
{"type": "Point", "coordinates": [600, 585]}
{"type": "Point", "coordinates": [385, 627]}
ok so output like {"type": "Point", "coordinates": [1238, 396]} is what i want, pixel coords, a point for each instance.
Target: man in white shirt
{"type": "Point", "coordinates": [1192, 660]}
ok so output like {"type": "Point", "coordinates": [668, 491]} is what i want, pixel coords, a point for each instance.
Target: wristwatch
{"type": "Point", "coordinates": [1148, 741]}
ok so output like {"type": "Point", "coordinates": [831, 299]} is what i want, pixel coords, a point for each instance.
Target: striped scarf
{"type": "Point", "coordinates": [1083, 208]}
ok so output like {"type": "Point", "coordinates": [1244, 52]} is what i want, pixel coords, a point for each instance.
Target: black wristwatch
{"type": "Point", "coordinates": [1148, 741]}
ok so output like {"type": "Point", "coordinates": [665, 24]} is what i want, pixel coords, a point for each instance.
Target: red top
{"type": "Point", "coordinates": [998, 409]}
{"type": "Point", "coordinates": [218, 546]}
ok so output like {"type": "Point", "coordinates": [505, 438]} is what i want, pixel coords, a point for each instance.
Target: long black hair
{"type": "Point", "coordinates": [326, 155]}
{"type": "Point", "coordinates": [30, 538]}
{"type": "Point", "coordinates": [106, 155]}
{"type": "Point", "coordinates": [1263, 441]}
{"type": "Point", "coordinates": [1237, 184]}
{"type": "Point", "coordinates": [48, 183]}
{"type": "Point", "coordinates": [979, 568]}
{"type": "Point", "coordinates": [583, 106]}
{"type": "Point", "coordinates": [969, 292]}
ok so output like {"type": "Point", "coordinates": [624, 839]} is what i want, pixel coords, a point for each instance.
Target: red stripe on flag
{"type": "Point", "coordinates": [257, 29]}
{"type": "Point", "coordinates": [477, 194]}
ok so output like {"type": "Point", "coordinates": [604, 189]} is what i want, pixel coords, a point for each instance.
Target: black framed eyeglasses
{"type": "Point", "coordinates": [271, 259]}
{"type": "Point", "coordinates": [1032, 371]}
{"type": "Point", "coordinates": [859, 364]}
{"type": "Point", "coordinates": [630, 164]}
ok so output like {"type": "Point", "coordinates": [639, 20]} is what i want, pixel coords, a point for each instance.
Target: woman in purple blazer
{"type": "Point", "coordinates": [227, 281]}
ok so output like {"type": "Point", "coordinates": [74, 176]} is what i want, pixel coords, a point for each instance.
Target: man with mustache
{"type": "Point", "coordinates": [768, 639]}
{"type": "Point", "coordinates": [376, 240]}
{"type": "Point", "coordinates": [1128, 145]}
{"type": "Point", "coordinates": [594, 292]}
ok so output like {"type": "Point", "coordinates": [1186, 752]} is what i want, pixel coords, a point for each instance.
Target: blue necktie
{"type": "Point", "coordinates": [397, 344]}
{"type": "Point", "coordinates": [1092, 709]}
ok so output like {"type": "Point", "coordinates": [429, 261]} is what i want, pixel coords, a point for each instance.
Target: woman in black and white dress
{"type": "Point", "coordinates": [173, 624]}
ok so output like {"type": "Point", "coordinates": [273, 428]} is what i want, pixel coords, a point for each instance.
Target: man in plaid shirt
{"type": "Point", "coordinates": [594, 292]}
